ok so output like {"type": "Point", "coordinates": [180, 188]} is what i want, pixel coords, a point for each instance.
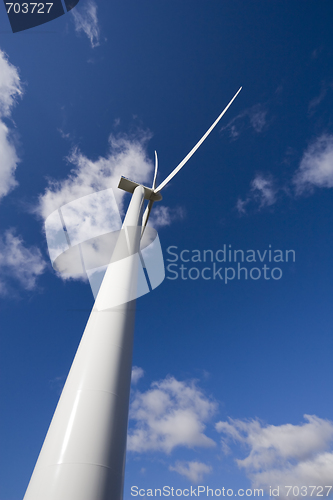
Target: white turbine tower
{"type": "Point", "coordinates": [83, 455]}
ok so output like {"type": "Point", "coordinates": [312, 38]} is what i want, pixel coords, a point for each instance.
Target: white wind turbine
{"type": "Point", "coordinates": [83, 455]}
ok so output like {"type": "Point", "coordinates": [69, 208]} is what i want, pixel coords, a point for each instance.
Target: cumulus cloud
{"type": "Point", "coordinates": [194, 471]}
{"type": "Point", "coordinates": [170, 414]}
{"type": "Point", "coordinates": [163, 216]}
{"type": "Point", "coordinates": [137, 373]}
{"type": "Point", "coordinates": [262, 192]}
{"type": "Point", "coordinates": [315, 171]}
{"type": "Point", "coordinates": [10, 90]}
{"type": "Point", "coordinates": [8, 161]}
{"type": "Point", "coordinates": [85, 20]}
{"type": "Point", "coordinates": [19, 263]}
{"type": "Point", "coordinates": [316, 167]}
{"type": "Point", "coordinates": [286, 454]}
{"type": "Point", "coordinates": [88, 201]}
{"type": "Point", "coordinates": [254, 117]}
{"type": "Point", "coordinates": [10, 85]}
{"type": "Point", "coordinates": [126, 156]}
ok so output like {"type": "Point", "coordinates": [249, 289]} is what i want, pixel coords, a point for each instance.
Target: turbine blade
{"type": "Point", "coordinates": [155, 173]}
{"type": "Point", "coordinates": [198, 144]}
{"type": "Point", "coordinates": [146, 214]}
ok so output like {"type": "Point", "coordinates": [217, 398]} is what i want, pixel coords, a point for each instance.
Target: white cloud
{"type": "Point", "coordinates": [285, 454]}
{"type": "Point", "coordinates": [263, 190]}
{"type": "Point", "coordinates": [10, 89]}
{"type": "Point", "coordinates": [137, 373]}
{"type": "Point", "coordinates": [127, 156]}
{"type": "Point", "coordinates": [10, 85]}
{"type": "Point", "coordinates": [8, 161]}
{"type": "Point", "coordinates": [168, 415]}
{"type": "Point", "coordinates": [263, 193]}
{"type": "Point", "coordinates": [240, 205]}
{"type": "Point", "coordinates": [91, 202]}
{"type": "Point", "coordinates": [256, 117]}
{"type": "Point", "coordinates": [316, 167]}
{"type": "Point", "coordinates": [85, 19]}
{"type": "Point", "coordinates": [88, 207]}
{"type": "Point", "coordinates": [194, 471]}
{"type": "Point", "coordinates": [315, 171]}
{"type": "Point", "coordinates": [313, 472]}
{"type": "Point", "coordinates": [163, 216]}
{"type": "Point", "coordinates": [18, 262]}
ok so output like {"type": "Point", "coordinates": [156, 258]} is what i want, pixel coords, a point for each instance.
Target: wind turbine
{"type": "Point", "coordinates": [83, 455]}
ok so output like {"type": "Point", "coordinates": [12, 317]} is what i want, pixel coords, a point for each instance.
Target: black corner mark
{"type": "Point", "coordinates": [25, 14]}
{"type": "Point", "coordinates": [70, 4]}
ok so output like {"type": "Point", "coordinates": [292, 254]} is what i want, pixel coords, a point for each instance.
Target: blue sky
{"type": "Point", "coordinates": [226, 371]}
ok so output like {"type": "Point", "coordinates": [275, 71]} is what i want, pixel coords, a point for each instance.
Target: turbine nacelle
{"type": "Point", "coordinates": [129, 186]}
